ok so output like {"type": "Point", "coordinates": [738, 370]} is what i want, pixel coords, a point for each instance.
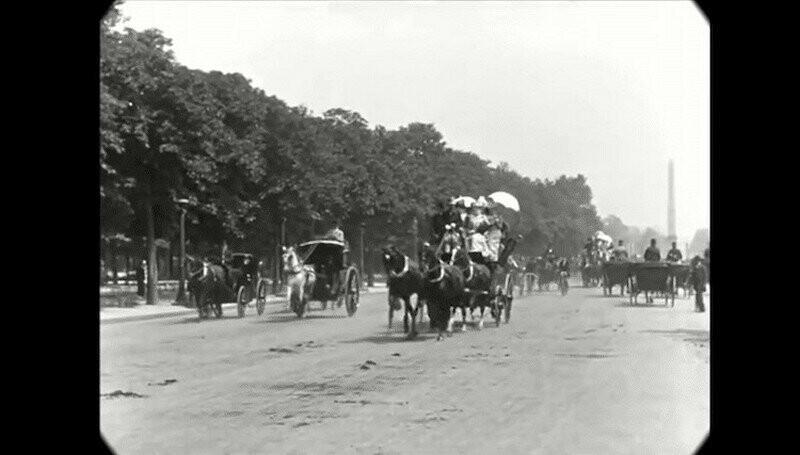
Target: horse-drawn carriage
{"type": "Point", "coordinates": [615, 273]}
{"type": "Point", "coordinates": [546, 273]}
{"type": "Point", "coordinates": [237, 279]}
{"type": "Point", "coordinates": [247, 282]}
{"type": "Point", "coordinates": [655, 277]}
{"type": "Point", "coordinates": [591, 271]}
{"type": "Point", "coordinates": [318, 270]}
{"type": "Point", "coordinates": [483, 287]}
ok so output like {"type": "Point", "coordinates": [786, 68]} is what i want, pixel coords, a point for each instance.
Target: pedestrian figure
{"type": "Point", "coordinates": [141, 272]}
{"type": "Point", "coordinates": [698, 277]}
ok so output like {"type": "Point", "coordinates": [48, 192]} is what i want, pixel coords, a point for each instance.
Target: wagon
{"type": "Point", "coordinates": [657, 277]}
{"type": "Point", "coordinates": [615, 273]}
{"type": "Point", "coordinates": [329, 259]}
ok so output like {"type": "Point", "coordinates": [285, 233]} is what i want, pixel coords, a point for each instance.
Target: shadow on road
{"type": "Point", "coordinates": [394, 337]}
{"type": "Point", "coordinates": [696, 334]}
{"type": "Point", "coordinates": [655, 304]}
{"type": "Point", "coordinates": [212, 319]}
{"type": "Point", "coordinates": [291, 317]}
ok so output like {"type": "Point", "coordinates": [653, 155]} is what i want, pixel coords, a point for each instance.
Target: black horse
{"type": "Point", "coordinates": [477, 279]}
{"type": "Point", "coordinates": [443, 290]}
{"type": "Point", "coordinates": [210, 287]}
{"type": "Point", "coordinates": [404, 279]}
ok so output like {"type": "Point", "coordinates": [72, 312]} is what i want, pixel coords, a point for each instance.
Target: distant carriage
{"type": "Point", "coordinates": [680, 275]}
{"type": "Point", "coordinates": [545, 274]}
{"type": "Point", "coordinates": [615, 273]}
{"type": "Point", "coordinates": [591, 271]}
{"type": "Point", "coordinates": [654, 277]}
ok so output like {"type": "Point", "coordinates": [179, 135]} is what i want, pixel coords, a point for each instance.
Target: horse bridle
{"type": "Point", "coordinates": [394, 274]}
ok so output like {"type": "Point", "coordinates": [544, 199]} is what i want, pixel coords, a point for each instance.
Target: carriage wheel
{"type": "Point", "coordinates": [261, 296]}
{"type": "Point", "coordinates": [242, 300]}
{"type": "Point", "coordinates": [351, 292]}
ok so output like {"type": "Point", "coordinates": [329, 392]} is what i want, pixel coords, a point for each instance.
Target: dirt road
{"type": "Point", "coordinates": [580, 374]}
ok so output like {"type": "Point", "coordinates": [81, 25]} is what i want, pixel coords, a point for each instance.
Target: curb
{"type": "Point", "coordinates": [182, 311]}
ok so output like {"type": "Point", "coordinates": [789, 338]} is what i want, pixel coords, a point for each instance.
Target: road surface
{"type": "Point", "coordinates": [581, 374]}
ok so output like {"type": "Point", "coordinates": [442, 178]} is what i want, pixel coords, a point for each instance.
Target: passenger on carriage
{"type": "Point", "coordinates": [549, 255]}
{"type": "Point", "coordinates": [589, 247]}
{"type": "Point", "coordinates": [562, 265]}
{"type": "Point", "coordinates": [335, 233]}
{"type": "Point", "coordinates": [652, 253]}
{"type": "Point", "coordinates": [674, 255]}
{"type": "Point", "coordinates": [477, 223]}
{"type": "Point", "coordinates": [620, 252]}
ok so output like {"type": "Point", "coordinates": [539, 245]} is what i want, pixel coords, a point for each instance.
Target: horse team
{"type": "Point", "coordinates": [442, 287]}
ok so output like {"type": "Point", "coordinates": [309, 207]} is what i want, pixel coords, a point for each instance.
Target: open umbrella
{"type": "Point", "coordinates": [505, 199]}
{"type": "Point", "coordinates": [466, 200]}
{"type": "Point", "coordinates": [600, 235]}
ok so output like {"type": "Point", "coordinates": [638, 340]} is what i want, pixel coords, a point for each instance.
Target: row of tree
{"type": "Point", "coordinates": [249, 163]}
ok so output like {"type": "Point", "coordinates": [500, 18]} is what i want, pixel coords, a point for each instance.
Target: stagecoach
{"type": "Point", "coordinates": [329, 261]}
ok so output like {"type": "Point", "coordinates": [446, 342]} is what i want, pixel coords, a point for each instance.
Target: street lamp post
{"type": "Point", "coordinates": [361, 245]}
{"type": "Point", "coordinates": [415, 231]}
{"type": "Point", "coordinates": [181, 298]}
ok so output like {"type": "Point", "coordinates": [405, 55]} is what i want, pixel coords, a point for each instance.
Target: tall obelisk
{"type": "Point", "coordinates": [671, 205]}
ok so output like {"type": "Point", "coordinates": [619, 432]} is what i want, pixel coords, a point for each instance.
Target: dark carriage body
{"type": "Point", "coordinates": [654, 277]}
{"type": "Point", "coordinates": [329, 257]}
{"type": "Point", "coordinates": [615, 273]}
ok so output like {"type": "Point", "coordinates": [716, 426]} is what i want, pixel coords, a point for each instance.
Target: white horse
{"type": "Point", "coordinates": [302, 279]}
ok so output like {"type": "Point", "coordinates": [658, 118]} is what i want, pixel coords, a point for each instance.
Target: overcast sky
{"type": "Point", "coordinates": [611, 90]}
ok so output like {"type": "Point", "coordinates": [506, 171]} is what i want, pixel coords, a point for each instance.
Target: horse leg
{"type": "Point", "coordinates": [483, 308]}
{"type": "Point", "coordinates": [450, 320]}
{"type": "Point", "coordinates": [413, 333]}
{"type": "Point", "coordinates": [463, 318]}
{"type": "Point", "coordinates": [405, 315]}
{"type": "Point", "coordinates": [391, 315]}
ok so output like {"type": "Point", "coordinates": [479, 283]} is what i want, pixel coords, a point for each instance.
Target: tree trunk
{"type": "Point", "coordinates": [114, 263]}
{"type": "Point", "coordinates": [152, 263]}
{"type": "Point", "coordinates": [370, 274]}
{"type": "Point", "coordinates": [170, 268]}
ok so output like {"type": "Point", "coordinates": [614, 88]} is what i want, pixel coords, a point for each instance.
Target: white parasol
{"type": "Point", "coordinates": [505, 199]}
{"type": "Point", "coordinates": [600, 235]}
{"type": "Point", "coordinates": [466, 200]}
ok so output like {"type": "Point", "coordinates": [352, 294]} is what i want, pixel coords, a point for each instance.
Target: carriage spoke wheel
{"type": "Point", "coordinates": [261, 296]}
{"type": "Point", "coordinates": [242, 300]}
{"type": "Point", "coordinates": [351, 293]}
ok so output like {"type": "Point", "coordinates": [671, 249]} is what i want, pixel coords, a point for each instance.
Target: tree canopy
{"type": "Point", "coordinates": [246, 160]}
